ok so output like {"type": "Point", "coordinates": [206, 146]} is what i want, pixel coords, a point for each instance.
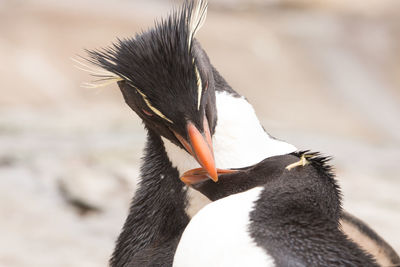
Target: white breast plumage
{"type": "Point", "coordinates": [218, 235]}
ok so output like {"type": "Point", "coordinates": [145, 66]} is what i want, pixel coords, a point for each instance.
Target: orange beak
{"type": "Point", "coordinates": [200, 147]}
{"type": "Point", "coordinates": [198, 175]}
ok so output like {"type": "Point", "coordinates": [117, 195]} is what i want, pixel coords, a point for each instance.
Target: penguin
{"type": "Point", "coordinates": [283, 211]}
{"type": "Point", "coordinates": [192, 117]}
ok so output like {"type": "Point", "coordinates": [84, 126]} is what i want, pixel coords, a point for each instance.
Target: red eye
{"type": "Point", "coordinates": [146, 112]}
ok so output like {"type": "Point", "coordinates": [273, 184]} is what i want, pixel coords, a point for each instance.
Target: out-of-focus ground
{"type": "Point", "coordinates": [323, 75]}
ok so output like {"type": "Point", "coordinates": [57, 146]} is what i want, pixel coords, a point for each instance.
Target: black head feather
{"type": "Point", "coordinates": [163, 70]}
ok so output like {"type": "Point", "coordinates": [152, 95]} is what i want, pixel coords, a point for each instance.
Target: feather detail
{"type": "Point", "coordinates": [197, 18]}
{"type": "Point", "coordinates": [155, 110]}
{"type": "Point", "coordinates": [199, 87]}
{"type": "Point", "coordinates": [105, 77]}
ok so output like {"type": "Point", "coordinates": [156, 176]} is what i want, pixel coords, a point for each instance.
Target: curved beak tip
{"type": "Point", "coordinates": [213, 175]}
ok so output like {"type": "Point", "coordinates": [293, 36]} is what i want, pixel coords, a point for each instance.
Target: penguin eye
{"type": "Point", "coordinates": [151, 107]}
{"type": "Point", "coordinates": [146, 112]}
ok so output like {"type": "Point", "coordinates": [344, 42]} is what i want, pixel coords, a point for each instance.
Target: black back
{"type": "Point", "coordinates": [296, 219]}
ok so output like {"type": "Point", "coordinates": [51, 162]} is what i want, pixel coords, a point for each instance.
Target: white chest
{"type": "Point", "coordinates": [218, 235]}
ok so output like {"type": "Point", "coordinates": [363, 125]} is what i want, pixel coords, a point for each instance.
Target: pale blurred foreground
{"type": "Point", "coordinates": [323, 75]}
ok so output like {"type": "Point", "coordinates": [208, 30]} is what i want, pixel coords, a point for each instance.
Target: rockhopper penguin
{"type": "Point", "coordinates": [193, 118]}
{"type": "Point", "coordinates": [283, 211]}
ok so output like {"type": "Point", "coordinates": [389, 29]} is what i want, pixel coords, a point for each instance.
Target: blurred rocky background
{"type": "Point", "coordinates": [322, 74]}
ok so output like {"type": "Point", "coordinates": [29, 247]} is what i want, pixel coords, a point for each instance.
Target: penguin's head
{"type": "Point", "coordinates": [167, 79]}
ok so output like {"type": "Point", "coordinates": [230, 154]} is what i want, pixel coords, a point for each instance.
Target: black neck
{"type": "Point", "coordinates": [157, 214]}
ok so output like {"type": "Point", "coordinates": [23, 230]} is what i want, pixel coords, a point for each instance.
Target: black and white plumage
{"type": "Point", "coordinates": [271, 214]}
{"type": "Point", "coordinates": [167, 79]}
{"type": "Point", "coordinates": [165, 76]}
